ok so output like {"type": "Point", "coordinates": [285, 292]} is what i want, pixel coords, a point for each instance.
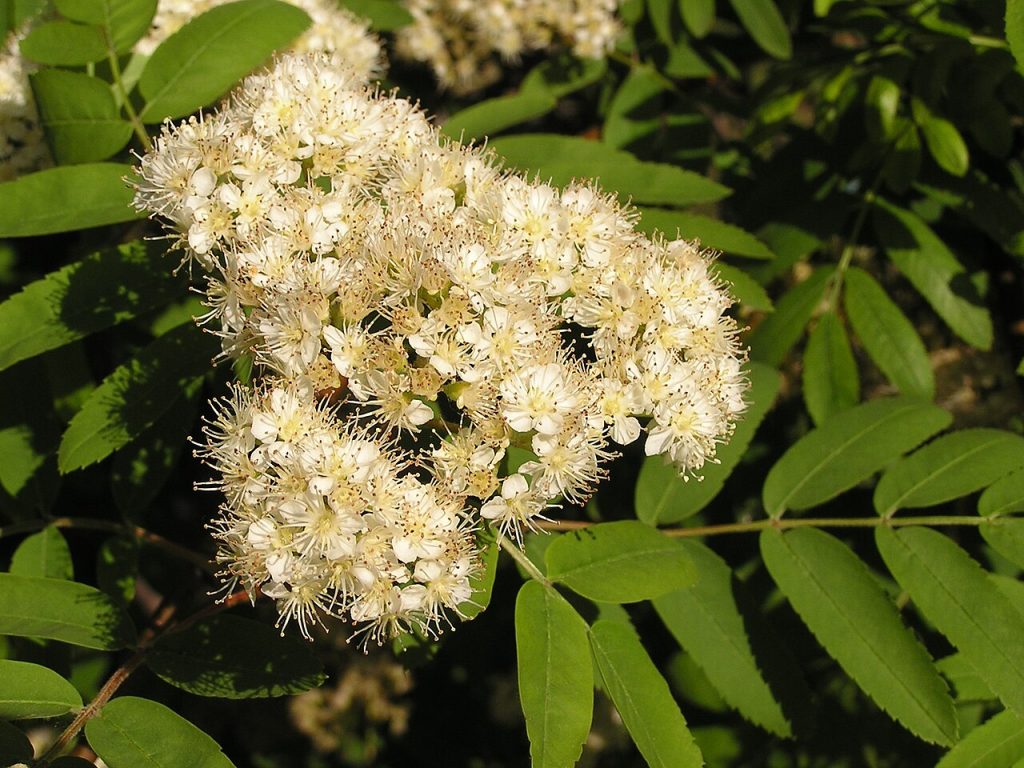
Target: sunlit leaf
{"type": "Point", "coordinates": [853, 446]}
{"type": "Point", "coordinates": [951, 466]}
{"type": "Point", "coordinates": [555, 676]}
{"type": "Point", "coordinates": [955, 594]}
{"type": "Point", "coordinates": [31, 691]}
{"type": "Point", "coordinates": [843, 605]}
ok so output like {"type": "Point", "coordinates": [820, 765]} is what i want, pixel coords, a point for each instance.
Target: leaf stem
{"type": "Point", "coordinates": [520, 557]}
{"type": "Point", "coordinates": [112, 526]}
{"type": "Point", "coordinates": [798, 522]}
{"type": "Point", "coordinates": [133, 116]}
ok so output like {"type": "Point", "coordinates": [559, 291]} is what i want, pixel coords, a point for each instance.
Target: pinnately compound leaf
{"type": "Point", "coordinates": [662, 496]}
{"type": "Point", "coordinates": [555, 676]}
{"type": "Point", "coordinates": [850, 448]}
{"type": "Point", "coordinates": [621, 562]}
{"type": "Point", "coordinates": [949, 467]}
{"type": "Point", "coordinates": [830, 378]}
{"type": "Point", "coordinates": [841, 603]}
{"type": "Point", "coordinates": [131, 732]}
{"type": "Point", "coordinates": [706, 620]}
{"type": "Point", "coordinates": [642, 697]}
{"type": "Point", "coordinates": [31, 691]}
{"type": "Point", "coordinates": [996, 743]}
{"type": "Point", "coordinates": [955, 594]}
{"type": "Point", "coordinates": [62, 610]}
{"type": "Point", "coordinates": [887, 335]}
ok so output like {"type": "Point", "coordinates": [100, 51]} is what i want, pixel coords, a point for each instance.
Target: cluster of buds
{"type": "Point", "coordinates": [464, 43]}
{"type": "Point", "coordinates": [417, 312]}
{"type": "Point", "coordinates": [22, 144]}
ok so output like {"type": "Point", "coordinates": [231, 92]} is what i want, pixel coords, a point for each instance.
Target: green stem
{"type": "Point", "coordinates": [520, 557]}
{"type": "Point", "coordinates": [133, 117]}
{"type": "Point", "coordinates": [851, 244]}
{"type": "Point", "coordinates": [798, 522]}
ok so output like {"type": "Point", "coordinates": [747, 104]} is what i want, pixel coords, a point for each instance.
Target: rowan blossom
{"type": "Point", "coordinates": [416, 313]}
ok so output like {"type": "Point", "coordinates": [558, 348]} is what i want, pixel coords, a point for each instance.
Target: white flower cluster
{"type": "Point", "coordinates": [334, 31]}
{"type": "Point", "coordinates": [464, 41]}
{"type": "Point", "coordinates": [436, 301]}
{"type": "Point", "coordinates": [22, 145]}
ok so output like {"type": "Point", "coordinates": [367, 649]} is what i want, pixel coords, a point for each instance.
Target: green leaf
{"type": "Point", "coordinates": [955, 594]}
{"type": "Point", "coordinates": [64, 44]}
{"type": "Point", "coordinates": [842, 604]}
{"type": "Point", "coordinates": [1015, 30]}
{"type": "Point", "coordinates": [234, 658]}
{"type": "Point", "coordinates": [952, 466]}
{"type": "Point", "coordinates": [65, 199]}
{"type": "Point", "coordinates": [946, 145]}
{"type": "Point", "coordinates": [117, 568]}
{"type": "Point", "coordinates": [664, 497]}
{"type": "Point", "coordinates": [887, 335]}
{"type": "Point", "coordinates": [482, 582]}
{"type": "Point", "coordinates": [130, 732]}
{"type": "Point", "coordinates": [660, 14]}
{"type": "Point", "coordinates": [204, 58]}
{"type": "Point", "coordinates": [1004, 496]}
{"type": "Point", "coordinates": [126, 20]}
{"type": "Point", "coordinates": [642, 697]}
{"type": "Point", "coordinates": [43, 555]}
{"type": "Point", "coordinates": [746, 290]}
{"type": "Point", "coordinates": [637, 109]}
{"type": "Point", "coordinates": [934, 271]}
{"type": "Point", "coordinates": [710, 232]}
{"type": "Point", "coordinates": [383, 15]}
{"type": "Point", "coordinates": [29, 691]}
{"type": "Point", "coordinates": [850, 448]}
{"type": "Point", "coordinates": [965, 680]}
{"type": "Point", "coordinates": [14, 745]}
{"type": "Point", "coordinates": [561, 75]}
{"type": "Point", "coordinates": [99, 291]}
{"type": "Point", "coordinates": [555, 676]}
{"type": "Point", "coordinates": [707, 621]}
{"type": "Point", "coordinates": [621, 562]}
{"type": "Point", "coordinates": [29, 436]}
{"type": "Point", "coordinates": [996, 743]}
{"type": "Point", "coordinates": [564, 158]}
{"type": "Point", "coordinates": [62, 610]}
{"type": "Point", "coordinates": [761, 18]}
{"type": "Point", "coordinates": [82, 122]}
{"type": "Point", "coordinates": [141, 469]}
{"type": "Point", "coordinates": [1006, 536]}
{"type": "Point", "coordinates": [882, 99]}
{"type": "Point", "coordinates": [698, 15]}
{"type": "Point", "coordinates": [135, 395]}
{"type": "Point", "coordinates": [492, 116]}
{"type": "Point", "coordinates": [779, 331]}
{"type": "Point", "coordinates": [830, 379]}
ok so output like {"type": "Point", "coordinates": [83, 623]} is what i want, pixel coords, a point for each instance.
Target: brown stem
{"type": "Point", "coordinates": [112, 526]}
{"type": "Point", "coordinates": [157, 628]}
